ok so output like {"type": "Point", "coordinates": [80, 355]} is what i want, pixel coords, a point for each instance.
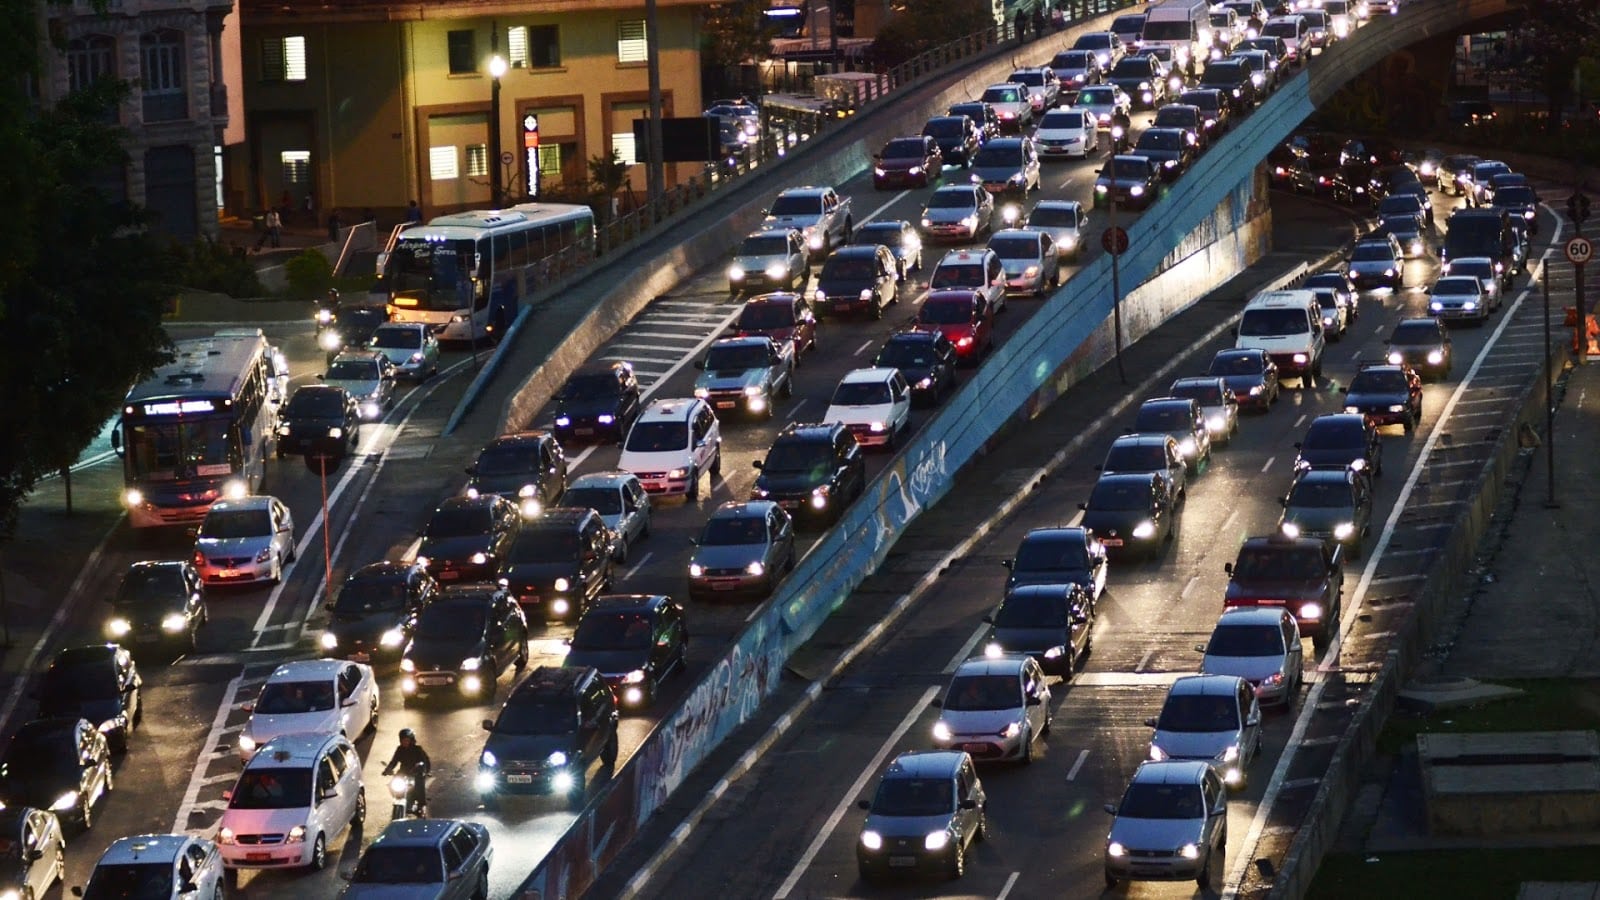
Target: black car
{"type": "Point", "coordinates": [1329, 504]}
{"type": "Point", "coordinates": [1050, 622]}
{"type": "Point", "coordinates": [559, 563]}
{"type": "Point", "coordinates": [1387, 394]}
{"type": "Point", "coordinates": [1250, 374]}
{"type": "Point", "coordinates": [528, 468]}
{"type": "Point", "coordinates": [1130, 514]}
{"type": "Point", "coordinates": [1129, 180]}
{"type": "Point", "coordinates": [1213, 106]}
{"type": "Point", "coordinates": [376, 611]}
{"type": "Point", "coordinates": [1142, 79]}
{"type": "Point", "coordinates": [553, 728]}
{"type": "Point", "coordinates": [1189, 119]}
{"type": "Point", "coordinates": [1341, 285]}
{"type": "Point", "coordinates": [598, 402]}
{"type": "Point", "coordinates": [957, 136]}
{"type": "Point", "coordinates": [319, 418]}
{"type": "Point", "coordinates": [467, 537]}
{"type": "Point", "coordinates": [1058, 555]}
{"type": "Point", "coordinates": [1232, 78]}
{"type": "Point", "coordinates": [983, 117]}
{"type": "Point", "coordinates": [1423, 344]}
{"type": "Point", "coordinates": [1170, 148]}
{"type": "Point", "coordinates": [1340, 441]}
{"type": "Point", "coordinates": [1157, 454]}
{"type": "Point", "coordinates": [99, 683]}
{"type": "Point", "coordinates": [899, 236]}
{"type": "Point", "coordinates": [858, 278]}
{"type": "Point", "coordinates": [352, 328]}
{"type": "Point", "coordinates": [62, 764]}
{"type": "Point", "coordinates": [462, 642]}
{"type": "Point", "coordinates": [812, 470]}
{"type": "Point", "coordinates": [927, 359]}
{"type": "Point", "coordinates": [635, 641]}
{"type": "Point", "coordinates": [158, 604]}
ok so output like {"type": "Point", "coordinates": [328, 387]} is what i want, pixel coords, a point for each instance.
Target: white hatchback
{"type": "Point", "coordinates": [671, 444]}
{"type": "Point", "coordinates": [295, 796]}
{"type": "Point", "coordinates": [312, 696]}
{"type": "Point", "coordinates": [875, 404]}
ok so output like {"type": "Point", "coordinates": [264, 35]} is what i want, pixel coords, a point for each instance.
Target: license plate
{"type": "Point", "coordinates": [1111, 542]}
{"type": "Point", "coordinates": [722, 585]}
{"type": "Point", "coordinates": [583, 432]}
{"type": "Point", "coordinates": [147, 638]}
{"type": "Point", "coordinates": [258, 857]}
{"type": "Point", "coordinates": [433, 679]}
{"type": "Point", "coordinates": [975, 748]}
{"type": "Point", "coordinates": [361, 657]}
{"type": "Point", "coordinates": [902, 862]}
{"type": "Point", "coordinates": [788, 504]}
{"type": "Point", "coordinates": [724, 404]}
{"type": "Point", "coordinates": [448, 575]}
{"type": "Point", "coordinates": [519, 779]}
{"type": "Point", "coordinates": [228, 573]}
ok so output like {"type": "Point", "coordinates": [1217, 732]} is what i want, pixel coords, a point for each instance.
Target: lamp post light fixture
{"type": "Point", "coordinates": [497, 68]}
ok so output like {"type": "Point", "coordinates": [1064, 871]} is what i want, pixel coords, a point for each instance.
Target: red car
{"type": "Point", "coordinates": [908, 162]}
{"type": "Point", "coordinates": [963, 317]}
{"type": "Point", "coordinates": [782, 317]}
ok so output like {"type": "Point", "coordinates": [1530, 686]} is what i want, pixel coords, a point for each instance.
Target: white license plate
{"type": "Point", "coordinates": [724, 404]}
{"type": "Point", "coordinates": [583, 432]}
{"type": "Point", "coordinates": [433, 679]}
{"type": "Point", "coordinates": [975, 748]}
{"type": "Point", "coordinates": [360, 657]}
{"type": "Point", "coordinates": [519, 779]}
{"type": "Point", "coordinates": [1111, 542]}
{"type": "Point", "coordinates": [722, 585]}
{"type": "Point", "coordinates": [788, 504]}
{"type": "Point", "coordinates": [902, 862]}
{"type": "Point", "coordinates": [258, 857]}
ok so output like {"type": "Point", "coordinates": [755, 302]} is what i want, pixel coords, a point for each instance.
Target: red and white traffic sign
{"type": "Point", "coordinates": [1579, 250]}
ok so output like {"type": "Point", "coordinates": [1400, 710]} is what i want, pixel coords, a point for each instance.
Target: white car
{"type": "Point", "coordinates": [311, 696]}
{"type": "Point", "coordinates": [294, 797]}
{"type": "Point", "coordinates": [1458, 297]}
{"type": "Point", "coordinates": [1068, 132]}
{"type": "Point", "coordinates": [1260, 644]}
{"type": "Point", "coordinates": [411, 346]}
{"type": "Point", "coordinates": [1011, 105]}
{"type": "Point", "coordinates": [875, 404]}
{"type": "Point", "coordinates": [1104, 101]}
{"type": "Point", "coordinates": [246, 540]}
{"type": "Point", "coordinates": [671, 444]}
{"type": "Point", "coordinates": [175, 866]}
{"type": "Point", "coordinates": [1483, 268]}
{"type": "Point", "coordinates": [995, 708]}
{"type": "Point", "coordinates": [621, 501]}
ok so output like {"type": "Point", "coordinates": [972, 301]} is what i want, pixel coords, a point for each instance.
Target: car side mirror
{"type": "Point", "coordinates": [1199, 648]}
{"type": "Point", "coordinates": [1083, 506]}
{"type": "Point", "coordinates": [1035, 701]}
{"type": "Point", "coordinates": [864, 804]}
{"type": "Point", "coordinates": [700, 364]}
{"type": "Point", "coordinates": [1080, 618]}
{"type": "Point", "coordinates": [1283, 502]}
{"type": "Point", "coordinates": [1297, 445]}
{"type": "Point", "coordinates": [248, 706]}
{"type": "Point", "coordinates": [1110, 808]}
{"type": "Point", "coordinates": [1150, 722]}
{"type": "Point", "coordinates": [1254, 718]}
{"type": "Point", "coordinates": [1228, 567]}
{"type": "Point", "coordinates": [1233, 331]}
{"type": "Point", "coordinates": [349, 702]}
{"type": "Point", "coordinates": [35, 854]}
{"type": "Point", "coordinates": [488, 724]}
{"type": "Point", "coordinates": [227, 795]}
{"type": "Point", "coordinates": [936, 703]}
{"type": "Point", "coordinates": [77, 890]}
{"type": "Point", "coordinates": [1344, 390]}
{"type": "Point", "coordinates": [969, 804]}
{"type": "Point", "coordinates": [322, 376]}
{"type": "Point", "coordinates": [330, 793]}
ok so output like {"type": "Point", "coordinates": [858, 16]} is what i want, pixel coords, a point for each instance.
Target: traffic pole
{"type": "Point", "coordinates": [324, 460]}
{"type": "Point", "coordinates": [1116, 282]}
{"type": "Point", "coordinates": [1549, 399]}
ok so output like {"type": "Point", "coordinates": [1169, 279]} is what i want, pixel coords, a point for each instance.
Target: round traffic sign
{"type": "Point", "coordinates": [1115, 241]}
{"type": "Point", "coordinates": [1579, 250]}
{"type": "Point", "coordinates": [506, 158]}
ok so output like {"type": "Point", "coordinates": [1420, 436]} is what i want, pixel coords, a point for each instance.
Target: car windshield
{"type": "Point", "coordinates": [1097, 96]}
{"type": "Point", "coordinates": [913, 797]}
{"type": "Point", "coordinates": [1098, 40]}
{"type": "Point", "coordinates": [1273, 322]}
{"type": "Point", "coordinates": [1419, 333]}
{"type": "Point", "coordinates": [1246, 640]}
{"type": "Point", "coordinates": [1319, 493]}
{"type": "Point", "coordinates": [1015, 246]}
{"type": "Point", "coordinates": [461, 521]}
{"type": "Point", "coordinates": [1053, 216]}
{"type": "Point", "coordinates": [1480, 269]}
{"type": "Point", "coordinates": [765, 245]}
{"type": "Point", "coordinates": [536, 546]}
{"type": "Point", "coordinates": [722, 531]}
{"type": "Point", "coordinates": [397, 338]}
{"type": "Point", "coordinates": [1403, 204]}
{"type": "Point", "coordinates": [1458, 285]}
{"type": "Point", "coordinates": [1135, 457]}
{"type": "Point", "coordinates": [886, 234]}
{"type": "Point", "coordinates": [287, 698]}
{"type": "Point", "coordinates": [1278, 564]}
{"type": "Point", "coordinates": [1119, 496]}
{"type": "Point", "coordinates": [794, 457]}
{"type": "Point", "coordinates": [1162, 801]}
{"type": "Point", "coordinates": [1515, 195]}
{"type": "Point", "coordinates": [949, 275]}
{"type": "Point", "coordinates": [1031, 78]}
{"type": "Point", "coordinates": [903, 354]}
{"type": "Point", "coordinates": [79, 681]}
{"type": "Point", "coordinates": [353, 370]}
{"type": "Point", "coordinates": [1382, 381]}
{"type": "Point", "coordinates": [1002, 95]}
{"type": "Point", "coordinates": [1033, 609]}
{"type": "Point", "coordinates": [522, 716]}
{"type": "Point", "coordinates": [1052, 555]}
{"type": "Point", "coordinates": [452, 621]}
{"type": "Point", "coordinates": [360, 318]}
{"type": "Point", "coordinates": [947, 311]}
{"type": "Point", "coordinates": [956, 199]}
{"type": "Point", "coordinates": [230, 524]}
{"type": "Point", "coordinates": [1327, 299]}
{"type": "Point", "coordinates": [587, 387]}
{"type": "Point", "coordinates": [400, 865]}
{"type": "Point", "coordinates": [766, 316]}
{"type": "Point", "coordinates": [151, 586]}
{"type": "Point", "coordinates": [1332, 280]}
{"type": "Point", "coordinates": [1068, 120]}
{"type": "Point", "coordinates": [1131, 67]}
{"type": "Point", "coordinates": [979, 692]}
{"type": "Point", "coordinates": [1205, 393]}
{"type": "Point", "coordinates": [1225, 72]}
{"type": "Point", "coordinates": [796, 205]}
{"type": "Point", "coordinates": [369, 595]}
{"type": "Point", "coordinates": [272, 788]}
{"type": "Point", "coordinates": [507, 459]}
{"type": "Point", "coordinates": [1372, 251]}
{"type": "Point", "coordinates": [861, 393]}
{"type": "Point", "coordinates": [1205, 100]}
{"type": "Point", "coordinates": [944, 126]}
{"type": "Point", "coordinates": [849, 268]}
{"type": "Point", "coordinates": [1342, 433]}
{"type": "Point", "coordinates": [1176, 117]}
{"type": "Point", "coordinates": [1281, 29]}
{"type": "Point", "coordinates": [1198, 713]}
{"type": "Point", "coordinates": [613, 631]}
{"type": "Point", "coordinates": [607, 501]}
{"type": "Point", "coordinates": [1237, 364]}
{"type": "Point", "coordinates": [1135, 168]}
{"type": "Point", "coordinates": [315, 404]}
{"type": "Point", "coordinates": [1164, 417]}
{"type": "Point", "coordinates": [130, 881]}
{"type": "Point", "coordinates": [32, 753]}
{"type": "Point", "coordinates": [737, 357]}
{"type": "Point", "coordinates": [656, 437]}
{"type": "Point", "coordinates": [1072, 59]}
{"type": "Point", "coordinates": [998, 155]}
{"type": "Point", "coordinates": [904, 148]}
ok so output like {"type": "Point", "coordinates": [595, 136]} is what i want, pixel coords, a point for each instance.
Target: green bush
{"type": "Point", "coordinates": [207, 265]}
{"type": "Point", "coordinates": [309, 273]}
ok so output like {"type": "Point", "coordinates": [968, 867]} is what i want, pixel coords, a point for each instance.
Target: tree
{"type": "Point", "coordinates": [916, 26]}
{"type": "Point", "coordinates": [1555, 35]}
{"type": "Point", "coordinates": [735, 33]}
{"type": "Point", "coordinates": [607, 175]}
{"type": "Point", "coordinates": [82, 284]}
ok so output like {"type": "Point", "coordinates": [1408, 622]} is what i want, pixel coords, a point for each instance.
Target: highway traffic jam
{"type": "Point", "coordinates": [526, 624]}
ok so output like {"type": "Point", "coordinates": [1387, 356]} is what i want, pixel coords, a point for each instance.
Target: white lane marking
{"type": "Point", "coordinates": [637, 566]}
{"type": "Point", "coordinates": [1144, 660]}
{"type": "Point", "coordinates": [795, 409]}
{"type": "Point", "coordinates": [1083, 756]}
{"type": "Point", "coordinates": [583, 454]}
{"type": "Point", "coordinates": [892, 201]}
{"type": "Point", "coordinates": [863, 348]}
{"type": "Point", "coordinates": [1352, 615]}
{"type": "Point", "coordinates": [965, 651]}
{"type": "Point", "coordinates": [1193, 580]}
{"type": "Point", "coordinates": [1300, 421]}
{"type": "Point", "coordinates": [208, 751]}
{"type": "Point", "coordinates": [1228, 520]}
{"type": "Point", "coordinates": [850, 796]}
{"type": "Point", "coordinates": [1010, 883]}
{"type": "Point", "coordinates": [1268, 464]}
{"type": "Point", "coordinates": [691, 354]}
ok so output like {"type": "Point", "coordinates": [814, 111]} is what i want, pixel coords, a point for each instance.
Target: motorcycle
{"type": "Point", "coordinates": [405, 806]}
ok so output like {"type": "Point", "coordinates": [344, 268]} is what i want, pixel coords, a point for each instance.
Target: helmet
{"type": "Point", "coordinates": [406, 733]}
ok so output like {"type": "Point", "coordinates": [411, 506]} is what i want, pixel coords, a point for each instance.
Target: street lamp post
{"type": "Point", "coordinates": [497, 68]}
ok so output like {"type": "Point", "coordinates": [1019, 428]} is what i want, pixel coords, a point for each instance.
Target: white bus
{"type": "Point", "coordinates": [466, 274]}
{"type": "Point", "coordinates": [200, 429]}
{"type": "Point", "coordinates": [1183, 25]}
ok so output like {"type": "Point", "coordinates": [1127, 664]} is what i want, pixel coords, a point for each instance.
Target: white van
{"type": "Point", "coordinates": [1288, 326]}
{"type": "Point", "coordinates": [1183, 25]}
{"type": "Point", "coordinates": [1293, 30]}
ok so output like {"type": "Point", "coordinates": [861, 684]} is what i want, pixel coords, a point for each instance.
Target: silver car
{"type": "Point", "coordinates": [411, 346]}
{"type": "Point", "coordinates": [928, 809]}
{"type": "Point", "coordinates": [744, 548]}
{"type": "Point", "coordinates": [424, 859]}
{"type": "Point", "coordinates": [1483, 268]}
{"type": "Point", "coordinates": [770, 260]}
{"type": "Point", "coordinates": [959, 211]}
{"type": "Point", "coordinates": [995, 708]}
{"type": "Point", "coordinates": [620, 499]}
{"type": "Point", "coordinates": [246, 540]}
{"type": "Point", "coordinates": [1458, 297]}
{"type": "Point", "coordinates": [1218, 404]}
{"type": "Point", "coordinates": [1172, 825]}
{"type": "Point", "coordinates": [1030, 260]}
{"type": "Point", "coordinates": [1260, 644]}
{"type": "Point", "coordinates": [1064, 221]}
{"type": "Point", "coordinates": [369, 376]}
{"type": "Point", "coordinates": [1213, 718]}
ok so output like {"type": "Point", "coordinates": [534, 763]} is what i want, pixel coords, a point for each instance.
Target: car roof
{"type": "Point", "coordinates": [600, 367]}
{"type": "Point", "coordinates": [521, 438]}
{"type": "Point", "coordinates": [868, 376]}
{"type": "Point", "coordinates": [361, 355]}
{"type": "Point", "coordinates": [669, 409]}
{"type": "Point", "coordinates": [257, 501]}
{"type": "Point", "coordinates": [804, 190]}
{"type": "Point", "coordinates": [558, 518]}
{"type": "Point", "coordinates": [1281, 541]}
{"type": "Point", "coordinates": [1196, 381]}
{"type": "Point", "coordinates": [743, 509]}
{"type": "Point", "coordinates": [145, 564]}
{"type": "Point", "coordinates": [1055, 534]}
{"type": "Point", "coordinates": [808, 432]}
{"type": "Point", "coordinates": [1337, 476]}
{"type": "Point", "coordinates": [1287, 299]}
{"type": "Point", "coordinates": [608, 478]}
{"type": "Point", "coordinates": [750, 340]}
{"type": "Point", "coordinates": [89, 653]}
{"type": "Point", "coordinates": [1158, 402]}
{"type": "Point", "coordinates": [1172, 771]}
{"type": "Point", "coordinates": [414, 833]}
{"type": "Point", "coordinates": [926, 764]}
{"type": "Point", "coordinates": [299, 747]}
{"type": "Point", "coordinates": [146, 848]}
{"type": "Point", "coordinates": [385, 570]}
{"type": "Point", "coordinates": [1141, 438]}
{"type": "Point", "coordinates": [1205, 686]}
{"type": "Point", "coordinates": [462, 501]}
{"type": "Point", "coordinates": [850, 251]}
{"type": "Point", "coordinates": [976, 254]}
{"type": "Point", "coordinates": [296, 670]}
{"type": "Point", "coordinates": [311, 389]}
{"type": "Point", "coordinates": [1328, 420]}
{"type": "Point", "coordinates": [626, 603]}
{"type": "Point", "coordinates": [1141, 478]}
{"type": "Point", "coordinates": [1251, 615]}
{"type": "Point", "coordinates": [550, 683]}
{"type": "Point", "coordinates": [1007, 664]}
{"type": "Point", "coordinates": [774, 297]}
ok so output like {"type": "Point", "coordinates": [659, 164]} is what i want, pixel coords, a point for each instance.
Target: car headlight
{"type": "Point", "coordinates": [1145, 529]}
{"type": "Point", "coordinates": [1256, 389]}
{"type": "Point", "coordinates": [1216, 423]}
{"type": "Point", "coordinates": [119, 627]}
{"type": "Point", "coordinates": [1301, 359]}
{"type": "Point", "coordinates": [1055, 652]}
{"type": "Point", "coordinates": [814, 241]}
{"type": "Point", "coordinates": [941, 731]}
{"type": "Point", "coordinates": [479, 558]}
{"type": "Point", "coordinates": [336, 432]}
{"type": "Point", "coordinates": [408, 665]}
{"type": "Point", "coordinates": [678, 473]}
{"type": "Point", "coordinates": [1470, 304]}
{"type": "Point", "coordinates": [247, 743]}
{"type": "Point", "coordinates": [173, 623]}
{"type": "Point", "coordinates": [1170, 164]}
{"type": "Point", "coordinates": [264, 555]}
{"type": "Point", "coordinates": [563, 421]}
{"type": "Point", "coordinates": [696, 570]}
{"type": "Point", "coordinates": [1388, 273]}
{"type": "Point", "coordinates": [1187, 446]}
{"type": "Point", "coordinates": [1101, 188]}
{"type": "Point", "coordinates": [1395, 358]}
{"type": "Point", "coordinates": [424, 561]}
{"type": "Point", "coordinates": [1393, 407]}
{"type": "Point", "coordinates": [330, 340]}
{"type": "Point", "coordinates": [65, 801]}
{"type": "Point", "coordinates": [1343, 530]}
{"type": "Point", "coordinates": [1189, 851]}
{"type": "Point", "coordinates": [702, 392]}
{"type": "Point", "coordinates": [1230, 754]}
{"type": "Point", "coordinates": [872, 840]}
{"type": "Point", "coordinates": [1435, 356]}
{"type": "Point", "coordinates": [225, 835]}
{"type": "Point", "coordinates": [557, 758]}
{"type": "Point", "coordinates": [1117, 850]}
{"type": "Point", "coordinates": [878, 171]}
{"type": "Point", "coordinates": [936, 840]}
{"type": "Point", "coordinates": [1136, 191]}
{"type": "Point", "coordinates": [755, 568]}
{"type": "Point", "coordinates": [132, 497]}
{"type": "Point", "coordinates": [1031, 272]}
{"type": "Point", "coordinates": [1311, 611]}
{"type": "Point", "coordinates": [875, 427]}
{"type": "Point", "coordinates": [235, 489]}
{"type": "Point", "coordinates": [924, 383]}
{"type": "Point", "coordinates": [296, 835]}
{"type": "Point", "coordinates": [1011, 730]}
{"type": "Point", "coordinates": [1290, 529]}
{"type": "Point", "coordinates": [927, 222]}
{"type": "Point", "coordinates": [417, 357]}
{"type": "Point", "coordinates": [1435, 306]}
{"type": "Point", "coordinates": [777, 270]}
{"type": "Point", "coordinates": [993, 650]}
{"type": "Point", "coordinates": [634, 677]}
{"type": "Point", "coordinates": [471, 664]}
{"type": "Point", "coordinates": [1157, 754]}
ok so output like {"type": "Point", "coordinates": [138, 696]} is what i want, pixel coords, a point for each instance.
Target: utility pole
{"type": "Point", "coordinates": [655, 169]}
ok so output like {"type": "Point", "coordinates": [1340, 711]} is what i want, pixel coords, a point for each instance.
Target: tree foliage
{"type": "Point", "coordinates": [917, 26]}
{"type": "Point", "coordinates": [735, 33]}
{"type": "Point", "coordinates": [82, 285]}
{"type": "Point", "coordinates": [1554, 36]}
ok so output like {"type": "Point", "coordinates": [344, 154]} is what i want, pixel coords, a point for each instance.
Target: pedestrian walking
{"type": "Point", "coordinates": [1038, 21]}
{"type": "Point", "coordinates": [333, 226]}
{"type": "Point", "coordinates": [414, 213]}
{"type": "Point", "coordinates": [1021, 25]}
{"type": "Point", "coordinates": [274, 228]}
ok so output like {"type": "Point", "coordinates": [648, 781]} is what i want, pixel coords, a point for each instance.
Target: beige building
{"type": "Point", "coordinates": [171, 52]}
{"type": "Point", "coordinates": [368, 104]}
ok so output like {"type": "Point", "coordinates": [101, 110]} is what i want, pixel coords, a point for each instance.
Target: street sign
{"type": "Point", "coordinates": [506, 158]}
{"type": "Point", "coordinates": [1115, 241]}
{"type": "Point", "coordinates": [1577, 207]}
{"type": "Point", "coordinates": [1579, 251]}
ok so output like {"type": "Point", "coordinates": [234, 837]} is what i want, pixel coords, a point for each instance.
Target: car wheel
{"type": "Point", "coordinates": [361, 808]}
{"type": "Point", "coordinates": [608, 755]}
{"type": "Point", "coordinates": [522, 654]}
{"type": "Point", "coordinates": [1204, 878]}
{"type": "Point", "coordinates": [1111, 880]}
{"type": "Point", "coordinates": [958, 861]}
{"type": "Point", "coordinates": [694, 485]}
{"type": "Point", "coordinates": [86, 816]}
{"type": "Point", "coordinates": [60, 864]}
{"type": "Point", "coordinates": [1027, 747]}
{"type": "Point", "coordinates": [716, 464]}
{"type": "Point", "coordinates": [319, 854]}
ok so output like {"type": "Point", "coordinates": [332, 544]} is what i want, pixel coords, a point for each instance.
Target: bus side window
{"type": "Point", "coordinates": [519, 249]}
{"type": "Point", "coordinates": [502, 252]}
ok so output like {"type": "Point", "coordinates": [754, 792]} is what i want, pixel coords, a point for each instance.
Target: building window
{"type": "Point", "coordinates": [544, 46]}
{"type": "Point", "coordinates": [550, 160]}
{"type": "Point", "coordinates": [517, 46]}
{"type": "Point", "coordinates": [442, 164]}
{"type": "Point", "coordinates": [631, 43]}
{"type": "Point", "coordinates": [162, 76]}
{"type": "Point", "coordinates": [477, 160]}
{"type": "Point", "coordinates": [622, 144]}
{"type": "Point", "coordinates": [283, 59]}
{"type": "Point", "coordinates": [89, 59]}
{"type": "Point", "coordinates": [463, 52]}
{"type": "Point", "coordinates": [296, 168]}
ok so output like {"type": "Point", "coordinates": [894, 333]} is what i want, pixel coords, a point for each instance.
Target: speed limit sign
{"type": "Point", "coordinates": [1579, 251]}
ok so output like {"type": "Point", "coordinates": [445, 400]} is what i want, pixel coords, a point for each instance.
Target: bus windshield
{"type": "Point", "coordinates": [437, 274]}
{"type": "Point", "coordinates": [167, 451]}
